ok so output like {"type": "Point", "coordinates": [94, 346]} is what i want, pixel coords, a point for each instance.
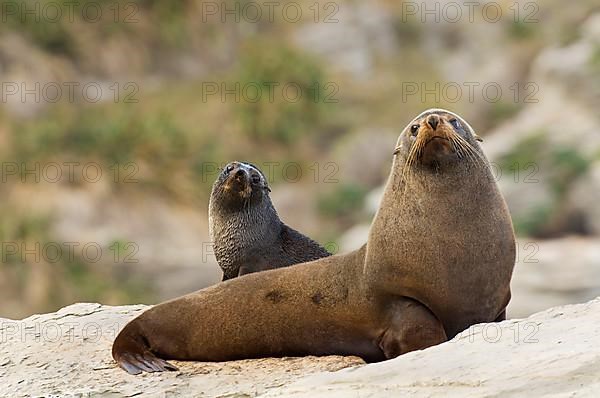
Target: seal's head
{"type": "Point", "coordinates": [240, 184]}
{"type": "Point", "coordinates": [435, 139]}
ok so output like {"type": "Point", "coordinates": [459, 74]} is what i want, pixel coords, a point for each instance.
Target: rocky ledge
{"type": "Point", "coordinates": [555, 353]}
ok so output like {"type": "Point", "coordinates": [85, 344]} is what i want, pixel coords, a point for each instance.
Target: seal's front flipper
{"type": "Point", "coordinates": [255, 263]}
{"type": "Point", "coordinates": [412, 327]}
{"type": "Point", "coordinates": [501, 317]}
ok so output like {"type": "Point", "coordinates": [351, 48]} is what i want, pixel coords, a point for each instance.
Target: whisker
{"type": "Point", "coordinates": [480, 161]}
{"type": "Point", "coordinates": [410, 160]}
{"type": "Point", "coordinates": [464, 150]}
{"type": "Point", "coordinates": [456, 147]}
{"type": "Point", "coordinates": [469, 153]}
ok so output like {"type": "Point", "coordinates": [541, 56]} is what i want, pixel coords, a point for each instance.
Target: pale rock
{"type": "Point", "coordinates": [68, 352]}
{"type": "Point", "coordinates": [349, 35]}
{"type": "Point", "coordinates": [554, 353]}
{"type": "Point", "coordinates": [554, 272]}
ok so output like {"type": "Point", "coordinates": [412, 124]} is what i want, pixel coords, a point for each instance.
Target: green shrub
{"type": "Point", "coordinates": [594, 60]}
{"type": "Point", "coordinates": [520, 29]}
{"type": "Point", "coordinates": [345, 201]}
{"type": "Point", "coordinates": [560, 167]}
{"type": "Point", "coordinates": [534, 221]}
{"type": "Point", "coordinates": [529, 149]}
{"type": "Point", "coordinates": [265, 63]}
{"type": "Point", "coordinates": [568, 165]}
{"type": "Point", "coordinates": [28, 18]}
{"type": "Point", "coordinates": [107, 135]}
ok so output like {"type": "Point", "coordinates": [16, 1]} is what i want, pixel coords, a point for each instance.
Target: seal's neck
{"type": "Point", "coordinates": [236, 232]}
{"type": "Point", "coordinates": [416, 204]}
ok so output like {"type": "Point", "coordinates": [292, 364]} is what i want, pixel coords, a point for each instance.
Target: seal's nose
{"type": "Point", "coordinates": [240, 174]}
{"type": "Point", "coordinates": [433, 121]}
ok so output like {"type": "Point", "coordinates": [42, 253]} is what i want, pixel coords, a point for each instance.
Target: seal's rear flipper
{"type": "Point", "coordinates": [137, 363]}
{"type": "Point", "coordinates": [132, 353]}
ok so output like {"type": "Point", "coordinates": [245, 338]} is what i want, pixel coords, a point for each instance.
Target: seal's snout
{"type": "Point", "coordinates": [240, 178]}
{"type": "Point", "coordinates": [241, 181]}
{"type": "Point", "coordinates": [433, 121]}
{"type": "Point", "coordinates": [237, 179]}
{"type": "Point", "coordinates": [434, 141]}
{"type": "Point", "coordinates": [241, 175]}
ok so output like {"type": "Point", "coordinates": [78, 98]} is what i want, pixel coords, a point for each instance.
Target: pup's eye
{"type": "Point", "coordinates": [256, 178]}
{"type": "Point", "coordinates": [414, 129]}
{"type": "Point", "coordinates": [455, 123]}
{"type": "Point", "coordinates": [229, 169]}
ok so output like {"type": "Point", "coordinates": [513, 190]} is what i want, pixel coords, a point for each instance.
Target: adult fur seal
{"type": "Point", "coordinates": [439, 258]}
{"type": "Point", "coordinates": [246, 231]}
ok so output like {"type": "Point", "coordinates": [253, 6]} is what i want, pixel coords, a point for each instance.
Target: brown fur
{"type": "Point", "coordinates": [439, 258]}
{"type": "Point", "coordinates": [246, 231]}
{"type": "Point", "coordinates": [457, 254]}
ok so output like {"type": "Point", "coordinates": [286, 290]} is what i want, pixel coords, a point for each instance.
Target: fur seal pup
{"type": "Point", "coordinates": [246, 231]}
{"type": "Point", "coordinates": [439, 258]}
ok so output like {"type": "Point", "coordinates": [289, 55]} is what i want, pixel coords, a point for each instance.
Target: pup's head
{"type": "Point", "coordinates": [240, 184]}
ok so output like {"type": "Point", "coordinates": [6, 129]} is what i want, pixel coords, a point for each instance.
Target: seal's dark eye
{"type": "Point", "coordinates": [414, 129]}
{"type": "Point", "coordinates": [455, 123]}
{"type": "Point", "coordinates": [255, 178]}
{"type": "Point", "coordinates": [228, 169]}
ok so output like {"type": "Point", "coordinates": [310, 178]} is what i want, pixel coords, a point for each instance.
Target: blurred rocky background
{"type": "Point", "coordinates": [116, 115]}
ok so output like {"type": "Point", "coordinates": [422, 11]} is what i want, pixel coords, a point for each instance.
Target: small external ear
{"type": "Point", "coordinates": [397, 150]}
{"type": "Point", "coordinates": [478, 138]}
